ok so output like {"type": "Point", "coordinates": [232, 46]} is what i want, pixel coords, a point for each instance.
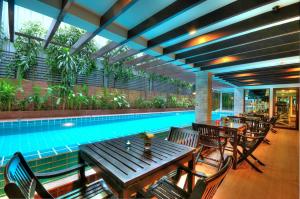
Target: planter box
{"type": "Point", "coordinates": [10, 115]}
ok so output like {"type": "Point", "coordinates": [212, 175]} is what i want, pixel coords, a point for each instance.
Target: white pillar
{"type": "Point", "coordinates": [203, 106]}
{"type": "Point", "coordinates": [271, 102]}
{"type": "Point", "coordinates": [238, 101]}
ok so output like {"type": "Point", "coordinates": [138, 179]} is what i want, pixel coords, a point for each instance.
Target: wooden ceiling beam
{"type": "Point", "coordinates": [109, 17]}
{"type": "Point", "coordinates": [266, 54]}
{"type": "Point", "coordinates": [65, 6]}
{"type": "Point", "coordinates": [142, 59]}
{"type": "Point", "coordinates": [163, 15]}
{"type": "Point", "coordinates": [158, 18]}
{"type": "Point", "coordinates": [11, 20]}
{"type": "Point", "coordinates": [261, 70]}
{"type": "Point", "coordinates": [261, 76]}
{"type": "Point", "coordinates": [284, 13]}
{"type": "Point", "coordinates": [221, 14]}
{"type": "Point", "coordinates": [123, 56]}
{"type": "Point", "coordinates": [251, 47]}
{"type": "Point", "coordinates": [261, 35]}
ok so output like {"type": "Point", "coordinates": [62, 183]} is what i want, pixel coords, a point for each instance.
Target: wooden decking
{"type": "Point", "coordinates": [280, 179]}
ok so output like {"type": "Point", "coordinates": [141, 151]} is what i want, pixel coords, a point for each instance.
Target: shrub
{"type": "Point", "coordinates": [38, 100]}
{"type": "Point", "coordinates": [159, 102]}
{"type": "Point", "coordinates": [172, 101]}
{"type": "Point", "coordinates": [142, 103]}
{"type": "Point", "coordinates": [7, 95]}
{"type": "Point", "coordinates": [120, 101]}
{"type": "Point", "coordinates": [184, 103]}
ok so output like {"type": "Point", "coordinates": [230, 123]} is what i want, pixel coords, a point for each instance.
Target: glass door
{"type": "Point", "coordinates": [286, 105]}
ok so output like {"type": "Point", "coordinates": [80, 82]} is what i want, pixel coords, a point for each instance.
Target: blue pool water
{"type": "Point", "coordinates": [42, 138]}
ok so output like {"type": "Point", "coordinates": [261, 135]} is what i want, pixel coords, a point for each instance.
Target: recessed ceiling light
{"type": "Point", "coordinates": [293, 69]}
{"type": "Point", "coordinates": [254, 84]}
{"type": "Point", "coordinates": [244, 75]}
{"type": "Point", "coordinates": [192, 32]}
{"type": "Point", "coordinates": [292, 77]}
{"type": "Point", "coordinates": [249, 80]}
{"type": "Point", "coordinates": [225, 59]}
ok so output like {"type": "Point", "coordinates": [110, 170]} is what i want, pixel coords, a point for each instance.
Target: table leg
{"type": "Point", "coordinates": [123, 194]}
{"type": "Point", "coordinates": [82, 177]}
{"type": "Point", "coordinates": [234, 153]}
{"type": "Point", "coordinates": [190, 177]}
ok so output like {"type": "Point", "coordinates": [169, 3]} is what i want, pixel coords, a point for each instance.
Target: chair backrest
{"type": "Point", "coordinates": [207, 132]}
{"type": "Point", "coordinates": [205, 189]}
{"type": "Point", "coordinates": [183, 136]}
{"type": "Point", "coordinates": [236, 119]}
{"type": "Point", "coordinates": [273, 120]}
{"type": "Point", "coordinates": [252, 125]}
{"type": "Point", "coordinates": [264, 126]}
{"type": "Point", "coordinates": [20, 181]}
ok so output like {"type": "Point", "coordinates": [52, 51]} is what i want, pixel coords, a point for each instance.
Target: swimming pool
{"type": "Point", "coordinates": [41, 138]}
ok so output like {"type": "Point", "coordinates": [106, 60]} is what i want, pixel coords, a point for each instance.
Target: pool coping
{"type": "Point", "coordinates": [15, 115]}
{"type": "Point", "coordinates": [91, 116]}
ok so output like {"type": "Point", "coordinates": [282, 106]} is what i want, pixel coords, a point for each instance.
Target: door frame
{"type": "Point", "coordinates": [297, 107]}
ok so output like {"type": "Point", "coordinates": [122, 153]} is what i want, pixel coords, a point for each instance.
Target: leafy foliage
{"type": "Point", "coordinates": [27, 49]}
{"type": "Point", "coordinates": [113, 100]}
{"type": "Point", "coordinates": [142, 103]}
{"type": "Point", "coordinates": [117, 70]}
{"type": "Point", "coordinates": [36, 98]}
{"type": "Point", "coordinates": [7, 95]}
{"type": "Point", "coordinates": [68, 65]}
{"type": "Point", "coordinates": [159, 102]}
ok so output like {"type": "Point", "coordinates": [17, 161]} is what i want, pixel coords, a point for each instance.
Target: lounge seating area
{"type": "Point", "coordinates": [172, 99]}
{"type": "Point", "coordinates": [183, 182]}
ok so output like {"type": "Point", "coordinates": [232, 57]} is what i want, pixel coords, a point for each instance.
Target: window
{"type": "Point", "coordinates": [216, 101]}
{"type": "Point", "coordinates": [257, 100]}
{"type": "Point", "coordinates": [227, 101]}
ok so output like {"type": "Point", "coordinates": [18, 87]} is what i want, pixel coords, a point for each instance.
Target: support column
{"type": "Point", "coordinates": [238, 101]}
{"type": "Point", "coordinates": [271, 102]}
{"type": "Point", "coordinates": [203, 106]}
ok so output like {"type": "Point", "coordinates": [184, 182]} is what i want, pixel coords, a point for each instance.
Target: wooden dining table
{"type": "Point", "coordinates": [235, 128]}
{"type": "Point", "coordinates": [127, 167]}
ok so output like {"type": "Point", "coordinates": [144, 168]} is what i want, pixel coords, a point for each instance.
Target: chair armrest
{"type": "Point", "coordinates": [142, 194]}
{"type": "Point", "coordinates": [60, 172]}
{"type": "Point", "coordinates": [198, 174]}
{"type": "Point", "coordinates": [253, 137]}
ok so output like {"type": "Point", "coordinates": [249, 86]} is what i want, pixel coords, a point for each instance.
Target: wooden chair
{"type": "Point", "coordinates": [250, 141]}
{"type": "Point", "coordinates": [183, 136]}
{"type": "Point", "coordinates": [273, 121]}
{"type": "Point", "coordinates": [21, 182]}
{"type": "Point", "coordinates": [186, 137]}
{"type": "Point", "coordinates": [205, 187]}
{"type": "Point", "coordinates": [210, 137]}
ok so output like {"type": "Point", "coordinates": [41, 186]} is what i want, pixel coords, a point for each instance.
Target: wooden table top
{"type": "Point", "coordinates": [130, 164]}
{"type": "Point", "coordinates": [217, 123]}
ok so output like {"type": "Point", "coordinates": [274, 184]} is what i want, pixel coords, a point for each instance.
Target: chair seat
{"type": "Point", "coordinates": [212, 143]}
{"type": "Point", "coordinates": [248, 144]}
{"type": "Point", "coordinates": [167, 190]}
{"type": "Point", "coordinates": [97, 189]}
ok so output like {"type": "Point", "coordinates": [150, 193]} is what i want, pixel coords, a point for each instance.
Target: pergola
{"type": "Point", "coordinates": [182, 37]}
{"type": "Point", "coordinates": [242, 43]}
